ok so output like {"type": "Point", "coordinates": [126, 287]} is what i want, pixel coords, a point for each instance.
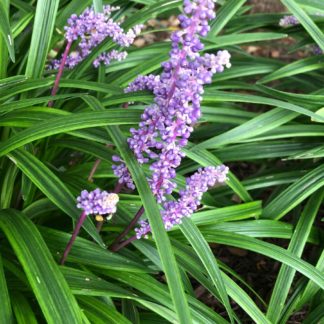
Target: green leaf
{"type": "Point", "coordinates": [256, 126]}
{"type": "Point", "coordinates": [321, 113]}
{"type": "Point", "coordinates": [295, 68]}
{"type": "Point", "coordinates": [47, 282]}
{"type": "Point", "coordinates": [101, 313]}
{"type": "Point", "coordinates": [270, 250]}
{"type": "Point", "coordinates": [306, 21]}
{"type": "Point", "coordinates": [8, 184]}
{"type": "Point", "coordinates": [161, 310]}
{"type": "Point", "coordinates": [315, 316]}
{"type": "Point", "coordinates": [85, 283]}
{"type": "Point", "coordinates": [6, 313]}
{"type": "Point", "coordinates": [130, 311]}
{"type": "Point", "coordinates": [315, 5]}
{"type": "Point", "coordinates": [5, 30]}
{"type": "Point", "coordinates": [311, 288]}
{"type": "Point", "coordinates": [22, 309]}
{"type": "Point", "coordinates": [51, 186]}
{"type": "Point", "coordinates": [160, 293]}
{"type": "Point", "coordinates": [22, 5]}
{"type": "Point", "coordinates": [296, 247]}
{"type": "Point", "coordinates": [162, 241]}
{"type": "Point", "coordinates": [22, 24]}
{"type": "Point", "coordinates": [67, 124]}
{"type": "Point", "coordinates": [90, 254]}
{"type": "Point", "coordinates": [235, 39]}
{"type": "Point", "coordinates": [25, 103]}
{"type": "Point", "coordinates": [46, 11]}
{"type": "Point", "coordinates": [229, 213]}
{"type": "Point", "coordinates": [189, 262]}
{"type": "Point", "coordinates": [206, 256]}
{"type": "Point", "coordinates": [258, 228]}
{"type": "Point", "coordinates": [98, 6]}
{"type": "Point", "coordinates": [225, 14]}
{"type": "Point", "coordinates": [295, 194]}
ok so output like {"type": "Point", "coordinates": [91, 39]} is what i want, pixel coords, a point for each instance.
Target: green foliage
{"type": "Point", "coordinates": [263, 118]}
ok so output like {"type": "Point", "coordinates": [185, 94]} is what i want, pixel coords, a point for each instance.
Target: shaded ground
{"type": "Point", "coordinates": [266, 6]}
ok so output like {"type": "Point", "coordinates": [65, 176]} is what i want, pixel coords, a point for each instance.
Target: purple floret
{"type": "Point", "coordinates": [97, 202]}
{"type": "Point", "coordinates": [120, 170]}
{"type": "Point", "coordinates": [288, 21]}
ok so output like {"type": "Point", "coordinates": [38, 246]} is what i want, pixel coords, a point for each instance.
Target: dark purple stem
{"type": "Point", "coordinates": [76, 231]}
{"type": "Point", "coordinates": [83, 215]}
{"type": "Point", "coordinates": [60, 72]}
{"type": "Point", "coordinates": [127, 229]}
{"type": "Point", "coordinates": [118, 187]}
{"type": "Point", "coordinates": [117, 247]}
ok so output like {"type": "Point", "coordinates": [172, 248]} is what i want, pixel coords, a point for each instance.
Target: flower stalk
{"type": "Point", "coordinates": [76, 231]}
{"type": "Point", "coordinates": [115, 246]}
{"type": "Point", "coordinates": [120, 245]}
{"type": "Point", "coordinates": [60, 72]}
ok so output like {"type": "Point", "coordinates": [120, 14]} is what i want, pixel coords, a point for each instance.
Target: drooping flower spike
{"type": "Point", "coordinates": [190, 198]}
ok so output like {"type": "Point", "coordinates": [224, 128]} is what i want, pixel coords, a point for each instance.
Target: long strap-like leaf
{"type": "Point", "coordinates": [5, 312]}
{"type": "Point", "coordinates": [162, 241]}
{"type": "Point", "coordinates": [47, 282]}
{"type": "Point", "coordinates": [45, 16]}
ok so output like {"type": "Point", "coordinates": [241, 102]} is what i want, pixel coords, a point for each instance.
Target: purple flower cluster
{"type": "Point", "coordinates": [90, 29]}
{"type": "Point", "coordinates": [288, 21]}
{"type": "Point", "coordinates": [317, 50]}
{"type": "Point", "coordinates": [144, 82]}
{"type": "Point", "coordinates": [190, 198]}
{"type": "Point", "coordinates": [97, 202]}
{"type": "Point", "coordinates": [120, 170]}
{"type": "Point", "coordinates": [167, 124]}
{"type": "Point", "coordinates": [106, 58]}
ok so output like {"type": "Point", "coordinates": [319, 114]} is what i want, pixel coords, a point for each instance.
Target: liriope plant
{"type": "Point", "coordinates": [107, 146]}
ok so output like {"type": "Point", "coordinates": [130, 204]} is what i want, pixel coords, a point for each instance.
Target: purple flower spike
{"type": "Point", "coordinates": [288, 21]}
{"type": "Point", "coordinates": [90, 29]}
{"type": "Point", "coordinates": [167, 124]}
{"type": "Point", "coordinates": [97, 202]}
{"type": "Point", "coordinates": [189, 200]}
